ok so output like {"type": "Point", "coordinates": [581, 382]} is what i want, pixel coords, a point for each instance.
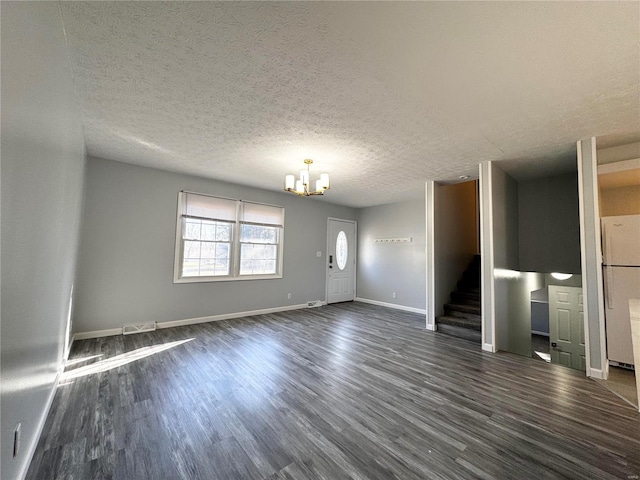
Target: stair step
{"type": "Point", "coordinates": [462, 316]}
{"type": "Point", "coordinates": [465, 333]}
{"type": "Point", "coordinates": [465, 297]}
{"type": "Point", "coordinates": [467, 285]}
{"type": "Point", "coordinates": [469, 323]}
{"type": "Point", "coordinates": [455, 308]}
{"type": "Point", "coordinates": [469, 289]}
{"type": "Point", "coordinates": [471, 279]}
{"type": "Point", "coordinates": [473, 269]}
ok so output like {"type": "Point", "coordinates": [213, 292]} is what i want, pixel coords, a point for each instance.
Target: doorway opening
{"type": "Point", "coordinates": [536, 231]}
{"type": "Point", "coordinates": [557, 321]}
{"type": "Point", "coordinates": [456, 247]}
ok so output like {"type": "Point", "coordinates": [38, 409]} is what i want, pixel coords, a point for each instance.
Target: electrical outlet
{"type": "Point", "coordinates": [394, 295]}
{"type": "Point", "coordinates": [16, 440]}
{"type": "Point", "coordinates": [289, 296]}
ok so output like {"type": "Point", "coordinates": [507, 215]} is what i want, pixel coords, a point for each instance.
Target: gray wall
{"type": "Point", "coordinates": [125, 272]}
{"type": "Point", "coordinates": [456, 236]}
{"type": "Point", "coordinates": [384, 268]}
{"type": "Point", "coordinates": [519, 311]}
{"type": "Point", "coordinates": [618, 153]}
{"type": "Point", "coordinates": [549, 224]}
{"type": "Point", "coordinates": [42, 177]}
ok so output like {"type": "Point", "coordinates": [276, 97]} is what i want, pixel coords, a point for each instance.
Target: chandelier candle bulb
{"type": "Point", "coordinates": [289, 182]}
{"type": "Point", "coordinates": [304, 177]}
{"type": "Point", "coordinates": [299, 186]}
{"type": "Point", "coordinates": [324, 179]}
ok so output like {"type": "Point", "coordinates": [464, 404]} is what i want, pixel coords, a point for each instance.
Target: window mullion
{"type": "Point", "coordinates": [237, 231]}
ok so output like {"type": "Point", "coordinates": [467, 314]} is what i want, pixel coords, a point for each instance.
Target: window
{"type": "Point", "coordinates": [225, 239]}
{"type": "Point", "coordinates": [341, 250]}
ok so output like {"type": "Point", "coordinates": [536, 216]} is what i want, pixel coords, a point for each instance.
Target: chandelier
{"type": "Point", "coordinates": [301, 187]}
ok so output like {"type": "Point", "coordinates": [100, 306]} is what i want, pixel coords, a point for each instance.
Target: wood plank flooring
{"type": "Point", "coordinates": [347, 391]}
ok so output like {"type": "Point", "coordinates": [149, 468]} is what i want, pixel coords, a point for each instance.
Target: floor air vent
{"type": "Point", "coordinates": [139, 328]}
{"type": "Point", "coordinates": [314, 303]}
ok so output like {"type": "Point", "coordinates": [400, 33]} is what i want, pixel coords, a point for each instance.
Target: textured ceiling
{"type": "Point", "coordinates": [382, 95]}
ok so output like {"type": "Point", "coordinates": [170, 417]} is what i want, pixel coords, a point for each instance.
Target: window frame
{"type": "Point", "coordinates": [241, 243]}
{"type": "Point", "coordinates": [184, 220]}
{"type": "Point", "coordinates": [234, 257]}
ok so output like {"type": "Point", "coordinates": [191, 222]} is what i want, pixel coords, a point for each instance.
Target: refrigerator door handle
{"type": "Point", "coordinates": [608, 287]}
{"type": "Point", "coordinates": [606, 242]}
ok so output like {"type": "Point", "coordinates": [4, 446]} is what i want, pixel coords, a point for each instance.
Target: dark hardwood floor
{"type": "Point", "coordinates": [343, 391]}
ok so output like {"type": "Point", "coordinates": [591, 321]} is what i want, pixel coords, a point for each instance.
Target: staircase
{"type": "Point", "coordinates": [462, 317]}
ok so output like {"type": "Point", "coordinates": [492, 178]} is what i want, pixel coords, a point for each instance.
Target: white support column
{"type": "Point", "coordinates": [591, 259]}
{"type": "Point", "coordinates": [430, 323]}
{"type": "Point", "coordinates": [487, 286]}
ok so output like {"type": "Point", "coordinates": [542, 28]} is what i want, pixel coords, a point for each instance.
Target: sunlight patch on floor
{"type": "Point", "coordinates": [544, 356]}
{"type": "Point", "coordinates": [69, 363]}
{"type": "Point", "coordinates": [119, 360]}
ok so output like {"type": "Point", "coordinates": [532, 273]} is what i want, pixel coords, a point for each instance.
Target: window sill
{"type": "Point", "coordinates": [225, 279]}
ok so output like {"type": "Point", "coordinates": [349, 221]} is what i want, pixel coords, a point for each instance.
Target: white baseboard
{"type": "Point", "coordinates": [193, 321]}
{"type": "Point", "coordinates": [431, 327]}
{"type": "Point", "coordinates": [596, 373]}
{"type": "Point", "coordinates": [228, 316]}
{"type": "Point", "coordinates": [22, 472]}
{"type": "Point", "coordinates": [392, 305]}
{"type": "Point", "coordinates": [487, 347]}
{"type": "Point", "coordinates": [97, 334]}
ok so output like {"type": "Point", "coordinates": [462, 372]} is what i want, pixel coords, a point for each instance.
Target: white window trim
{"type": "Point", "coordinates": [235, 259]}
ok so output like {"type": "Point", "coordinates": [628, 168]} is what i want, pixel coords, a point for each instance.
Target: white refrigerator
{"type": "Point", "coordinates": [621, 273]}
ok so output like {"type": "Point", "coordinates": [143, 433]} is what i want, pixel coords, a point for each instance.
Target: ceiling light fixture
{"type": "Point", "coordinates": [301, 186]}
{"type": "Point", "coordinates": [561, 276]}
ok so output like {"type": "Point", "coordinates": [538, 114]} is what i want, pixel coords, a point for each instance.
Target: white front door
{"type": "Point", "coordinates": [566, 326]}
{"type": "Point", "coordinates": [341, 260]}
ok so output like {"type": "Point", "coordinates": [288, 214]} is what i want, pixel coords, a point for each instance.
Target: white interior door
{"type": "Point", "coordinates": [341, 260]}
{"type": "Point", "coordinates": [566, 326]}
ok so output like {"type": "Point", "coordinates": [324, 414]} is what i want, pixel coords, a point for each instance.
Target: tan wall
{"type": "Point", "coordinates": [620, 201]}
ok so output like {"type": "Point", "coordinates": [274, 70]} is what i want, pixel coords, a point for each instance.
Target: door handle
{"type": "Point", "coordinates": [608, 287]}
{"type": "Point", "coordinates": [605, 245]}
